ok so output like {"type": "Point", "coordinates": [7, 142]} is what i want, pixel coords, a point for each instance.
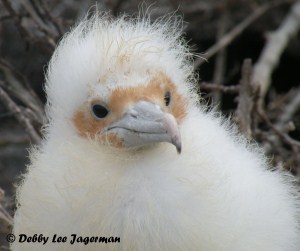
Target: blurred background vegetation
{"type": "Point", "coordinates": [251, 72]}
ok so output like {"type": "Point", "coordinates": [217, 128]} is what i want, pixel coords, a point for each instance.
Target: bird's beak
{"type": "Point", "coordinates": [146, 123]}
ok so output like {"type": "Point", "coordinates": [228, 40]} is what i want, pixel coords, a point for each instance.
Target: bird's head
{"type": "Point", "coordinates": [122, 83]}
{"type": "Point", "coordinates": [134, 116]}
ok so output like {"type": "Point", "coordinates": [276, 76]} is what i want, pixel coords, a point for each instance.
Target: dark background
{"type": "Point", "coordinates": [29, 30]}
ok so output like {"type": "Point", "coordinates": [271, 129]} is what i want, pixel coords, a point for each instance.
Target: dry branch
{"type": "Point", "coordinates": [6, 220]}
{"type": "Point", "coordinates": [236, 31]}
{"type": "Point", "coordinates": [277, 42]}
{"type": "Point", "coordinates": [19, 115]}
{"type": "Point", "coordinates": [210, 87]}
{"type": "Point", "coordinates": [220, 64]}
{"type": "Point", "coordinates": [245, 107]}
{"type": "Point", "coordinates": [290, 109]}
{"type": "Point", "coordinates": [284, 137]}
{"type": "Point", "coordinates": [39, 18]}
{"type": "Point", "coordinates": [50, 18]}
{"type": "Point", "coordinates": [17, 19]}
{"type": "Point", "coordinates": [18, 86]}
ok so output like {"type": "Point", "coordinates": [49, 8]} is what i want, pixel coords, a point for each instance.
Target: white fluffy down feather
{"type": "Point", "coordinates": [120, 96]}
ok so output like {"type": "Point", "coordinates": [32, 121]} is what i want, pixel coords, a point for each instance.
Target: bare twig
{"type": "Point", "coordinates": [288, 112]}
{"type": "Point", "coordinates": [245, 100]}
{"type": "Point", "coordinates": [39, 19]}
{"type": "Point", "coordinates": [17, 19]}
{"type": "Point", "coordinates": [277, 42]}
{"type": "Point", "coordinates": [18, 86]}
{"type": "Point", "coordinates": [5, 17]}
{"type": "Point", "coordinates": [219, 88]}
{"type": "Point", "coordinates": [48, 15]}
{"type": "Point", "coordinates": [23, 120]}
{"type": "Point", "coordinates": [285, 138]}
{"type": "Point", "coordinates": [237, 30]}
{"type": "Point", "coordinates": [16, 137]}
{"type": "Point", "coordinates": [221, 57]}
{"type": "Point", "coordinates": [6, 220]}
{"type": "Point", "coordinates": [34, 12]}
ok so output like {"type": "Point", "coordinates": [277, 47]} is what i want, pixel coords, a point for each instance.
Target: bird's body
{"type": "Point", "coordinates": [106, 167]}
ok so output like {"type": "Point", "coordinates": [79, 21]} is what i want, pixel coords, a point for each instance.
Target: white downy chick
{"type": "Point", "coordinates": [120, 97]}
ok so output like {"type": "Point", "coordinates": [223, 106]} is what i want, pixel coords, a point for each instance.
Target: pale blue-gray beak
{"type": "Point", "coordinates": [145, 123]}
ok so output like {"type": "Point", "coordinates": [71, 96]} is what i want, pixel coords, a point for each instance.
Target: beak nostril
{"type": "Point", "coordinates": [131, 113]}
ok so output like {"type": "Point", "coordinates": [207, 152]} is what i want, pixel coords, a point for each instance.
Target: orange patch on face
{"type": "Point", "coordinates": [88, 126]}
{"type": "Point", "coordinates": [154, 92]}
{"type": "Point", "coordinates": [178, 104]}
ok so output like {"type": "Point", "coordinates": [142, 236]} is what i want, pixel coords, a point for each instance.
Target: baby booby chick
{"type": "Point", "coordinates": [120, 100]}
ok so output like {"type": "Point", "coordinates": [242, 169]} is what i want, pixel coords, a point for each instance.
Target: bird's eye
{"type": "Point", "coordinates": [99, 111]}
{"type": "Point", "coordinates": [167, 98]}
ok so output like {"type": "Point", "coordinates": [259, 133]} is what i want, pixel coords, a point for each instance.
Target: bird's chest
{"type": "Point", "coordinates": [142, 202]}
{"type": "Point", "coordinates": [147, 210]}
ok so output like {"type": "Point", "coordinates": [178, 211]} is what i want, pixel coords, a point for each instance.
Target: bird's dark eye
{"type": "Point", "coordinates": [167, 98]}
{"type": "Point", "coordinates": [99, 111]}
